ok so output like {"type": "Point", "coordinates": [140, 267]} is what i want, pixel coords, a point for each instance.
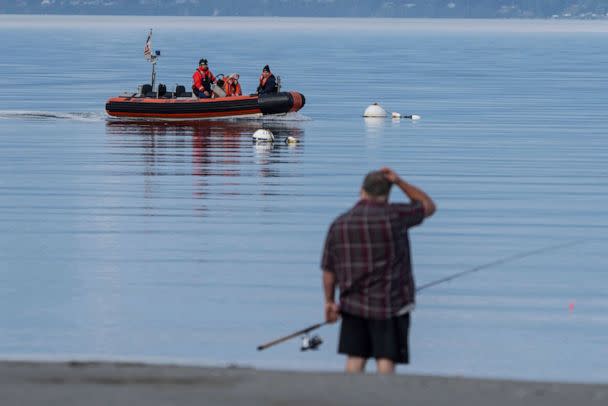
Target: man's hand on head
{"type": "Point", "coordinates": [390, 175]}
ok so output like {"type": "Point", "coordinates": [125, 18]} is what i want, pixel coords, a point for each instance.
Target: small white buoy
{"type": "Point", "coordinates": [291, 140]}
{"type": "Point", "coordinates": [398, 116]}
{"type": "Point", "coordinates": [263, 135]}
{"type": "Point", "coordinates": [375, 110]}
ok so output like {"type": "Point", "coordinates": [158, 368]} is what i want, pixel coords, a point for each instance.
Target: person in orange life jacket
{"type": "Point", "coordinates": [268, 83]}
{"type": "Point", "coordinates": [232, 87]}
{"type": "Point", "coordinates": [202, 80]}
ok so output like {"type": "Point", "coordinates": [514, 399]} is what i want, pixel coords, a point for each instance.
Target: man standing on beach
{"type": "Point", "coordinates": [367, 255]}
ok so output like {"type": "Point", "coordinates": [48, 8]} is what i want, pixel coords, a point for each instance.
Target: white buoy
{"type": "Point", "coordinates": [291, 140]}
{"type": "Point", "coordinates": [398, 116]}
{"type": "Point", "coordinates": [375, 110]}
{"type": "Point", "coordinates": [263, 135]}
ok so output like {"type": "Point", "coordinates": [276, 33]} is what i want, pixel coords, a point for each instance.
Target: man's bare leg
{"type": "Point", "coordinates": [355, 365]}
{"type": "Point", "coordinates": [385, 366]}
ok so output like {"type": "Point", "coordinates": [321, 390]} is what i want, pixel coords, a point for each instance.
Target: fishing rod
{"type": "Point", "coordinates": [314, 342]}
{"type": "Point", "coordinates": [292, 335]}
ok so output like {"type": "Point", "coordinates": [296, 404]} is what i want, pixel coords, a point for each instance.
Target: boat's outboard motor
{"type": "Point", "coordinates": [145, 89]}
{"type": "Point", "coordinates": [180, 91]}
{"type": "Point", "coordinates": [162, 90]}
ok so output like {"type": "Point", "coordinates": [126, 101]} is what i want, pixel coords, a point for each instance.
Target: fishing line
{"type": "Point", "coordinates": [448, 278]}
{"type": "Point", "coordinates": [498, 262]}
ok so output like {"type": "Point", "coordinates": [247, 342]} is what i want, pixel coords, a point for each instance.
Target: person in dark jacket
{"type": "Point", "coordinates": [268, 83]}
{"type": "Point", "coordinates": [367, 256]}
{"type": "Point", "coordinates": [202, 80]}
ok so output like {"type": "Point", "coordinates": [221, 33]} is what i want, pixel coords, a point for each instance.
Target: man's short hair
{"type": "Point", "coordinates": [375, 184]}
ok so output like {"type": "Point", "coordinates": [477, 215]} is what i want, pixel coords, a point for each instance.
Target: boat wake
{"type": "Point", "coordinates": [287, 118]}
{"type": "Point", "coordinates": [50, 115]}
{"type": "Point", "coordinates": [295, 116]}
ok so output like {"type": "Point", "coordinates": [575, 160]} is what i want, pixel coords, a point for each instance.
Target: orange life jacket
{"type": "Point", "coordinates": [232, 88]}
{"type": "Point", "coordinates": [202, 79]}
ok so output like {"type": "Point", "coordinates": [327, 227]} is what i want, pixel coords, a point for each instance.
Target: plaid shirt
{"type": "Point", "coordinates": [368, 250]}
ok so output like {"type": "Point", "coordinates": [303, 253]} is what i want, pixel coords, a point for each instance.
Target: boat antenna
{"type": "Point", "coordinates": [151, 57]}
{"type": "Point", "coordinates": [448, 278]}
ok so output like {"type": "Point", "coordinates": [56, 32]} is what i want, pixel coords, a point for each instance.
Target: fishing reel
{"type": "Point", "coordinates": [311, 343]}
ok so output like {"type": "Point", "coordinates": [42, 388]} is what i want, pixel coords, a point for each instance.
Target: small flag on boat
{"type": "Point", "coordinates": [148, 48]}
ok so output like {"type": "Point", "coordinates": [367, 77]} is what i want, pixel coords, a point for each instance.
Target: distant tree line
{"type": "Point", "coordinates": [320, 8]}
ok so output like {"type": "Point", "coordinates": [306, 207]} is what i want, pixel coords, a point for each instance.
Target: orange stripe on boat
{"type": "Point", "coordinates": [297, 101]}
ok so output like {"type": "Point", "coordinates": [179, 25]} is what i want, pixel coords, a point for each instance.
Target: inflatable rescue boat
{"type": "Point", "coordinates": [155, 102]}
{"type": "Point", "coordinates": [173, 105]}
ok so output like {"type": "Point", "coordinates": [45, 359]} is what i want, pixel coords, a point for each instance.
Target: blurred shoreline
{"type": "Point", "coordinates": [290, 24]}
{"type": "Point", "coordinates": [103, 383]}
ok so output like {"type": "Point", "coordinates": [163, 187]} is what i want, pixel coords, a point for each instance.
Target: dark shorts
{"type": "Point", "coordinates": [366, 338]}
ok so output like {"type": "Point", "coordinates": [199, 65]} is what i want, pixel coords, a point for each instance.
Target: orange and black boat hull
{"type": "Point", "coordinates": [188, 108]}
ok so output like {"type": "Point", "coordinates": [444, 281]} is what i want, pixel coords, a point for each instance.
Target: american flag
{"type": "Point", "coordinates": [148, 47]}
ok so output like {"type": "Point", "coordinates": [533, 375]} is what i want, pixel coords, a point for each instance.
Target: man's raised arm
{"type": "Point", "coordinates": [411, 191]}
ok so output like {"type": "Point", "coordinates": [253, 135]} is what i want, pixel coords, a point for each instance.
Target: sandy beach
{"type": "Point", "coordinates": [107, 383]}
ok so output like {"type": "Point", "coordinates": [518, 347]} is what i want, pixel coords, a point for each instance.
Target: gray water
{"type": "Point", "coordinates": [189, 243]}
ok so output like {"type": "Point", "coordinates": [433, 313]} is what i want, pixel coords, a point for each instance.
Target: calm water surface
{"type": "Point", "coordinates": [187, 242]}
